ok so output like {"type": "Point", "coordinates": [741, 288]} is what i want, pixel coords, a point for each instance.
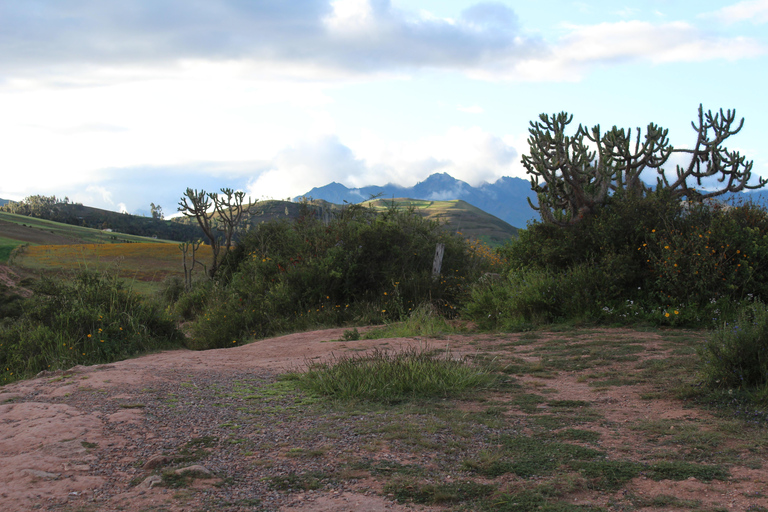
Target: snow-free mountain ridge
{"type": "Point", "coordinates": [506, 198]}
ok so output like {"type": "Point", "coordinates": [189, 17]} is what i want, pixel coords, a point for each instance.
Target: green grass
{"type": "Point", "coordinates": [458, 215]}
{"type": "Point", "coordinates": [78, 234]}
{"type": "Point", "coordinates": [572, 353]}
{"type": "Point", "coordinates": [7, 245]}
{"type": "Point", "coordinates": [391, 377]}
{"type": "Point", "coordinates": [407, 490]}
{"type": "Point", "coordinates": [527, 457]}
{"type": "Point", "coordinates": [574, 434]}
{"type": "Point", "coordinates": [424, 321]}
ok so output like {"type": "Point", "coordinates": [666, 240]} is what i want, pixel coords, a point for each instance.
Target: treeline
{"type": "Point", "coordinates": [75, 214]}
{"type": "Point", "coordinates": [357, 268]}
{"type": "Point", "coordinates": [360, 267]}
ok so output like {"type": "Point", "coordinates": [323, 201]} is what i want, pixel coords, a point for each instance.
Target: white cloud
{"type": "Point", "coordinates": [586, 46]}
{"type": "Point", "coordinates": [350, 16]}
{"type": "Point", "coordinates": [61, 37]}
{"type": "Point", "coordinates": [637, 40]}
{"type": "Point", "coordinates": [99, 196]}
{"type": "Point", "coordinates": [85, 43]}
{"type": "Point", "coordinates": [67, 136]}
{"type": "Point", "coordinates": [470, 155]}
{"type": "Point", "coordinates": [755, 11]}
{"type": "Point", "coordinates": [304, 165]}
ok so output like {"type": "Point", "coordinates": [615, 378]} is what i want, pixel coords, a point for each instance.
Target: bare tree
{"type": "Point", "coordinates": [216, 215]}
{"type": "Point", "coordinates": [574, 174]}
{"type": "Point", "coordinates": [185, 248]}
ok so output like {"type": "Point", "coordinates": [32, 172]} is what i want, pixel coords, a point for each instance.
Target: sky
{"type": "Point", "coordinates": [120, 104]}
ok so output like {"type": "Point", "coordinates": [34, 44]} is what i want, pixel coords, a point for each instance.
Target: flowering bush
{"type": "Point", "coordinates": [653, 259]}
{"type": "Point", "coordinates": [87, 320]}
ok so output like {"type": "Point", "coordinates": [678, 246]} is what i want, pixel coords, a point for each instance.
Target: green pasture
{"type": "Point", "coordinates": [77, 234]}
{"type": "Point", "coordinates": [7, 245]}
{"type": "Point", "coordinates": [460, 216]}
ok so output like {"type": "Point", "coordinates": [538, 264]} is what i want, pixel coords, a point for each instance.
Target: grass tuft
{"type": "Point", "coordinates": [392, 377]}
{"type": "Point", "coordinates": [405, 490]}
{"type": "Point", "coordinates": [424, 321]}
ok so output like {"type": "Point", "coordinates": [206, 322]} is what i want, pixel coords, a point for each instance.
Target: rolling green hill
{"type": "Point", "coordinates": [48, 232]}
{"type": "Point", "coordinates": [70, 223]}
{"type": "Point", "coordinates": [75, 214]}
{"type": "Point", "coordinates": [458, 216]}
{"type": "Point", "coordinates": [16, 230]}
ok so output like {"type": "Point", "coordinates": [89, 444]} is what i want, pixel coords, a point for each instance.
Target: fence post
{"type": "Point", "coordinates": [438, 261]}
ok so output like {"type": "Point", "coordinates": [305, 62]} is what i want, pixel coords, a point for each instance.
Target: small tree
{"type": "Point", "coordinates": [157, 211]}
{"type": "Point", "coordinates": [572, 175]}
{"type": "Point", "coordinates": [216, 214]}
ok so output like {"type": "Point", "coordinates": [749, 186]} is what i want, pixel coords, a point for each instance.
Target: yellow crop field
{"type": "Point", "coordinates": [138, 261]}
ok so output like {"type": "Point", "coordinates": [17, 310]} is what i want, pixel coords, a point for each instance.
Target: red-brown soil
{"type": "Point", "coordinates": [90, 438]}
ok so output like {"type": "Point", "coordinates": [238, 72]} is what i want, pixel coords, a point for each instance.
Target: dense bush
{"type": "Point", "coordinates": [89, 319]}
{"type": "Point", "coordinates": [537, 296]}
{"type": "Point", "coordinates": [360, 266]}
{"type": "Point", "coordinates": [736, 354]}
{"type": "Point", "coordinates": [653, 259]}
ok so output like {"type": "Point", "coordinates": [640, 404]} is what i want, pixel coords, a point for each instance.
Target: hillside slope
{"type": "Point", "coordinates": [506, 198]}
{"type": "Point", "coordinates": [458, 216]}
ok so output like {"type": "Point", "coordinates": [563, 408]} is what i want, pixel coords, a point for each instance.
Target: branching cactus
{"type": "Point", "coordinates": [572, 175]}
{"type": "Point", "coordinates": [216, 213]}
{"type": "Point", "coordinates": [709, 158]}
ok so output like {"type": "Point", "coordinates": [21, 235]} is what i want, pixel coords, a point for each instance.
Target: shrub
{"type": "Point", "coordinates": [708, 251]}
{"type": "Point", "coordinates": [359, 267]}
{"type": "Point", "coordinates": [649, 259]}
{"type": "Point", "coordinates": [173, 288]}
{"type": "Point", "coordinates": [190, 304]}
{"type": "Point", "coordinates": [424, 320]}
{"type": "Point", "coordinates": [535, 296]}
{"type": "Point", "coordinates": [87, 320]}
{"type": "Point", "coordinates": [736, 354]}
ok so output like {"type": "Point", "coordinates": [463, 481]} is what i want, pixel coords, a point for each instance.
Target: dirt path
{"type": "Point", "coordinates": [102, 437]}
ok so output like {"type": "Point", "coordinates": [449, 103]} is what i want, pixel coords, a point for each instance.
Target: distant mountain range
{"type": "Point", "coordinates": [4, 202]}
{"type": "Point", "coordinates": [506, 198]}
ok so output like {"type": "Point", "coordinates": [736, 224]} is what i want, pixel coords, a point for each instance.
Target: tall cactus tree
{"type": "Point", "coordinates": [216, 213]}
{"type": "Point", "coordinates": [573, 175]}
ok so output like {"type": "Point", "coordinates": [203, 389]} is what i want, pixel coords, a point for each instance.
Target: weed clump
{"type": "Point", "coordinates": [392, 377]}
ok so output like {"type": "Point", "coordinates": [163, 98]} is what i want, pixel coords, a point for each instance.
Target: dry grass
{"type": "Point", "coordinates": [142, 262]}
